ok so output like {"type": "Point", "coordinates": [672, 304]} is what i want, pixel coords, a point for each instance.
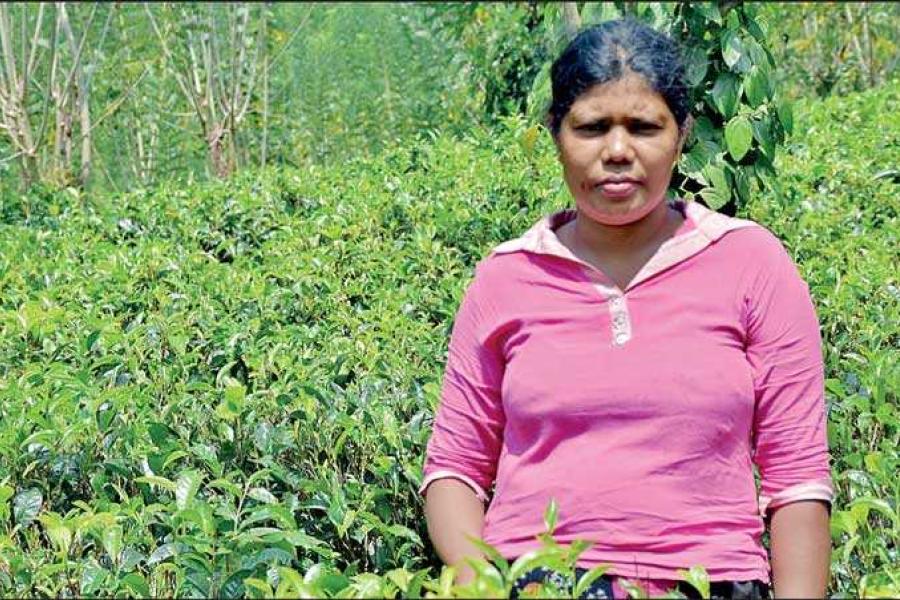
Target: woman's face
{"type": "Point", "coordinates": [617, 145]}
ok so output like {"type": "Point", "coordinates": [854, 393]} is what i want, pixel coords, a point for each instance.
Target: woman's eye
{"type": "Point", "coordinates": [637, 127]}
{"type": "Point", "coordinates": [644, 127]}
{"type": "Point", "coordinates": [598, 127]}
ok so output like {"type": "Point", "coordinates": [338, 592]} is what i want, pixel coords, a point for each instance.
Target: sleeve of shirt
{"type": "Point", "coordinates": [468, 426]}
{"type": "Point", "coordinates": [784, 348]}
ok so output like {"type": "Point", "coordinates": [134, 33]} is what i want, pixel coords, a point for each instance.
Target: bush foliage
{"type": "Point", "coordinates": [226, 389]}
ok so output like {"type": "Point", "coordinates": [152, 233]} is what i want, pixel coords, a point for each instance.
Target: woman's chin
{"type": "Point", "coordinates": [615, 206]}
{"type": "Point", "coordinates": [618, 211]}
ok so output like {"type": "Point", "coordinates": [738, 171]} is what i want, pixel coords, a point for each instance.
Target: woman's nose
{"type": "Point", "coordinates": [618, 146]}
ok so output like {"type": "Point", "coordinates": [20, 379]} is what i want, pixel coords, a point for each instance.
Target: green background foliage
{"type": "Point", "coordinates": [225, 386]}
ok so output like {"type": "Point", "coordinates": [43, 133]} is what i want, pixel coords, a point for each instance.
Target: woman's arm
{"type": "Point", "coordinates": [452, 511]}
{"type": "Point", "coordinates": [801, 549]}
{"type": "Point", "coordinates": [790, 440]}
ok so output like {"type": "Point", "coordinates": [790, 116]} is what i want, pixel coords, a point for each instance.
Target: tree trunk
{"type": "Point", "coordinates": [867, 40]}
{"type": "Point", "coordinates": [85, 117]}
{"type": "Point", "coordinates": [571, 19]}
{"type": "Point", "coordinates": [29, 167]}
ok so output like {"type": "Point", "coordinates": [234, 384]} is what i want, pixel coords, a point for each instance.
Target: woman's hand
{"type": "Point", "coordinates": [801, 549]}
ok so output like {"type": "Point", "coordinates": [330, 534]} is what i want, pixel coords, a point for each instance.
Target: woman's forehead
{"type": "Point", "coordinates": [628, 94]}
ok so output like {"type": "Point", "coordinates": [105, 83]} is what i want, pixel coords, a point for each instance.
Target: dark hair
{"type": "Point", "coordinates": [608, 51]}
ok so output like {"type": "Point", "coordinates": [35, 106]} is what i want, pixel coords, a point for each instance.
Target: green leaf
{"type": "Point", "coordinates": [186, 488]}
{"type": "Point", "coordinates": [232, 400]}
{"type": "Point", "coordinates": [738, 137]}
{"type": "Point", "coordinates": [633, 590]}
{"type": "Point", "coordinates": [576, 549]}
{"type": "Point", "coordinates": [59, 534]}
{"type": "Point", "coordinates": [709, 10]}
{"type": "Point", "coordinates": [162, 553]}
{"type": "Point", "coordinates": [716, 177]}
{"type": "Point", "coordinates": [491, 553]}
{"type": "Point", "coordinates": [303, 540]}
{"type": "Point", "coordinates": [599, 12]}
{"type": "Point", "coordinates": [366, 585]}
{"type": "Point", "coordinates": [137, 584]}
{"type": "Point", "coordinates": [291, 584]}
{"type": "Point", "coordinates": [762, 133]}
{"type": "Point", "coordinates": [843, 521]}
{"type": "Point", "coordinates": [26, 505]}
{"type": "Point", "coordinates": [696, 65]}
{"type": "Point", "coordinates": [698, 578]}
{"type": "Point", "coordinates": [589, 578]}
{"type": "Point", "coordinates": [92, 578]}
{"type": "Point", "coordinates": [271, 512]}
{"type": "Point", "coordinates": [112, 542]}
{"type": "Point", "coordinates": [715, 198]}
{"type": "Point", "coordinates": [233, 587]}
{"type": "Point", "coordinates": [786, 115]}
{"type": "Point", "coordinates": [226, 486]}
{"type": "Point", "coordinates": [725, 94]}
{"type": "Point", "coordinates": [173, 456]}
{"type": "Point", "coordinates": [742, 184]}
{"type": "Point", "coordinates": [877, 504]}
{"type": "Point", "coordinates": [262, 495]}
{"type": "Point", "coordinates": [263, 588]}
{"type": "Point", "coordinates": [755, 30]}
{"type": "Point", "coordinates": [166, 484]}
{"type": "Point", "coordinates": [6, 492]}
{"type": "Point", "coordinates": [732, 48]}
{"type": "Point", "coordinates": [445, 582]}
{"type": "Point", "coordinates": [400, 577]}
{"type": "Point", "coordinates": [327, 579]}
{"type": "Point", "coordinates": [200, 514]}
{"type": "Point", "coordinates": [756, 86]}
{"type": "Point", "coordinates": [160, 433]}
{"type": "Point", "coordinates": [405, 532]}
{"type": "Point", "coordinates": [733, 21]}
{"type": "Point", "coordinates": [551, 514]}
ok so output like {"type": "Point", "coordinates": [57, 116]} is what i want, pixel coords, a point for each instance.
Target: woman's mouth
{"type": "Point", "coordinates": [617, 188]}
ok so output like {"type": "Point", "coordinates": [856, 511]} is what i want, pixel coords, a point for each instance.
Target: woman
{"type": "Point", "coordinates": [633, 359]}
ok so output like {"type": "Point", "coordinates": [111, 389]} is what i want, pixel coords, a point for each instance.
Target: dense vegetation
{"type": "Point", "coordinates": [206, 386]}
{"type": "Point", "coordinates": [113, 97]}
{"type": "Point", "coordinates": [219, 363]}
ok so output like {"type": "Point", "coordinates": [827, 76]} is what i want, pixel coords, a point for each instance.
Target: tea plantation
{"type": "Point", "coordinates": [226, 389]}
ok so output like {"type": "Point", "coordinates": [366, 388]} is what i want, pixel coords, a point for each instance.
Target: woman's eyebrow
{"type": "Point", "coordinates": [588, 118]}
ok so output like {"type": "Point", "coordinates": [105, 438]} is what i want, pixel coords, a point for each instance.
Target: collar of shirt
{"type": "Point", "coordinates": [704, 226]}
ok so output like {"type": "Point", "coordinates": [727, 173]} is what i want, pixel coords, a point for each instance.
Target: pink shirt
{"type": "Point", "coordinates": [641, 411]}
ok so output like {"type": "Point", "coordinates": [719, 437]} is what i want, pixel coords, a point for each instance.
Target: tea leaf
{"type": "Point", "coordinates": [592, 575]}
{"type": "Point", "coordinates": [697, 577]}
{"type": "Point", "coordinates": [26, 505]}
{"type": "Point", "coordinates": [186, 488]}
{"type": "Point", "coordinates": [112, 542]}
{"type": "Point", "coordinates": [551, 514]}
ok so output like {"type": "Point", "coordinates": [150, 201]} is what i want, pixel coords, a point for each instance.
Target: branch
{"type": "Point", "coordinates": [32, 59]}
{"type": "Point", "coordinates": [45, 110]}
{"type": "Point", "coordinates": [290, 39]}
{"type": "Point", "coordinates": [185, 89]}
{"type": "Point", "coordinates": [76, 61]}
{"type": "Point", "coordinates": [12, 80]}
{"type": "Point", "coordinates": [12, 157]}
{"type": "Point", "coordinates": [254, 65]}
{"type": "Point", "coordinates": [114, 105]}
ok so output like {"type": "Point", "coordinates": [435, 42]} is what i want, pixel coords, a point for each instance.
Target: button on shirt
{"type": "Point", "coordinates": [641, 411]}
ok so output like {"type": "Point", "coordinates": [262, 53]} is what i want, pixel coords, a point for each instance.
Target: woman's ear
{"type": "Point", "coordinates": [548, 123]}
{"type": "Point", "coordinates": [683, 133]}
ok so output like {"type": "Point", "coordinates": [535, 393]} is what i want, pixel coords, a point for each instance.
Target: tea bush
{"type": "Point", "coordinates": [226, 389]}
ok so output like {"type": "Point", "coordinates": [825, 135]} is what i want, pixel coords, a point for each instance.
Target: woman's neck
{"type": "Point", "coordinates": [623, 241]}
